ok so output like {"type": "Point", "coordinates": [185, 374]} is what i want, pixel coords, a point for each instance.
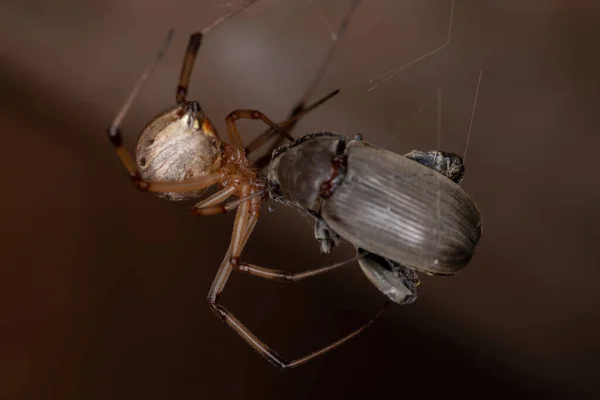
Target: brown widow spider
{"type": "Point", "coordinates": [179, 155]}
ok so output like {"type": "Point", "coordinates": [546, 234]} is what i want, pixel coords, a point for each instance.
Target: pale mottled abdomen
{"type": "Point", "coordinates": [175, 151]}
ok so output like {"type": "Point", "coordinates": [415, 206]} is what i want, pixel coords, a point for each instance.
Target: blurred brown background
{"type": "Point", "coordinates": [102, 288]}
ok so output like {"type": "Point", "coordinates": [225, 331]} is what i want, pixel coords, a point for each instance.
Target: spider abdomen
{"type": "Point", "coordinates": [177, 146]}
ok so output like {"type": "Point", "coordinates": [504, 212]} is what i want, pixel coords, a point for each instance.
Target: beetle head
{"type": "Point", "coordinates": [448, 164]}
{"type": "Point", "coordinates": [452, 166]}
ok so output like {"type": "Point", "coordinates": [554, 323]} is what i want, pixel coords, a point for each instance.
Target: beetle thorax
{"type": "Point", "coordinates": [307, 171]}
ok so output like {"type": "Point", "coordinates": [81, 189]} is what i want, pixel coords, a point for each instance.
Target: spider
{"type": "Point", "coordinates": [180, 154]}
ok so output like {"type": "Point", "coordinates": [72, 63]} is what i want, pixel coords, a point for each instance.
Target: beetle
{"type": "Point", "coordinates": [408, 209]}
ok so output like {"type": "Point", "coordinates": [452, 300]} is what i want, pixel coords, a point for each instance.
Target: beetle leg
{"type": "Point", "coordinates": [242, 228]}
{"type": "Point", "coordinates": [325, 236]}
{"type": "Point", "coordinates": [396, 281]}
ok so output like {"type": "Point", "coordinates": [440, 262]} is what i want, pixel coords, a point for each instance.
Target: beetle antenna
{"type": "Point", "coordinates": [472, 116]}
{"type": "Point", "coordinates": [113, 132]}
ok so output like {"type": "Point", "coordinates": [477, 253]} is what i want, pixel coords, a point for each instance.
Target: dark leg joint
{"type": "Point", "coordinates": [219, 311]}
{"type": "Point", "coordinates": [297, 109]}
{"type": "Point", "coordinates": [114, 134]}
{"type": "Point", "coordinates": [286, 278]}
{"type": "Point", "coordinates": [195, 40]}
{"type": "Point", "coordinates": [139, 182]}
{"type": "Point", "coordinates": [181, 94]}
{"type": "Point", "coordinates": [280, 363]}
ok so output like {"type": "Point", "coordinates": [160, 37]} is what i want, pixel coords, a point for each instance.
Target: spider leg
{"type": "Point", "coordinates": [192, 51]}
{"type": "Point", "coordinates": [125, 156]}
{"type": "Point", "coordinates": [212, 205]}
{"type": "Point", "coordinates": [216, 198]}
{"type": "Point", "coordinates": [199, 183]}
{"type": "Point", "coordinates": [299, 109]}
{"type": "Point", "coordinates": [188, 65]}
{"type": "Point", "coordinates": [245, 222]}
{"type": "Point", "coordinates": [298, 112]}
{"type": "Point", "coordinates": [234, 135]}
{"type": "Point", "coordinates": [114, 133]}
{"type": "Point", "coordinates": [285, 276]}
